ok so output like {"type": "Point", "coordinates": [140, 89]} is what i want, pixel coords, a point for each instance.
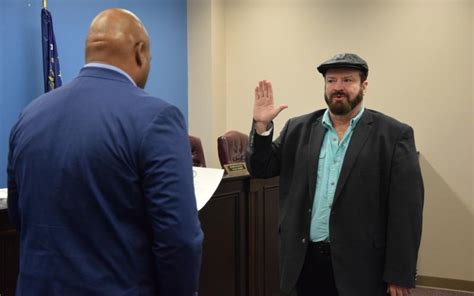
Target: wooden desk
{"type": "Point", "coordinates": [240, 252]}
{"type": "Point", "coordinates": [240, 224]}
{"type": "Point", "coordinates": [8, 255]}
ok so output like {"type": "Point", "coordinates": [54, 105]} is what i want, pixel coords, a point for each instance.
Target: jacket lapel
{"type": "Point", "coordinates": [315, 141]}
{"type": "Point", "coordinates": [358, 139]}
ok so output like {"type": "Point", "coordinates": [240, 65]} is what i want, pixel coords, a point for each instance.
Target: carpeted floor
{"type": "Point", "coordinates": [423, 291]}
{"type": "Point", "coordinates": [436, 292]}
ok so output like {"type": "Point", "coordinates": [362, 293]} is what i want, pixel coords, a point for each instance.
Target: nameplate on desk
{"type": "Point", "coordinates": [236, 169]}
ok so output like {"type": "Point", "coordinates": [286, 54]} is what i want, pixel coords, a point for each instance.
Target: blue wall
{"type": "Point", "coordinates": [20, 51]}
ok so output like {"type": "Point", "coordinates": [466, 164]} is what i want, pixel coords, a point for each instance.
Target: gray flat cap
{"type": "Point", "coordinates": [344, 60]}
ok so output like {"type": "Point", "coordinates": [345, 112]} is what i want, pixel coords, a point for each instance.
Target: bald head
{"type": "Point", "coordinates": [118, 37]}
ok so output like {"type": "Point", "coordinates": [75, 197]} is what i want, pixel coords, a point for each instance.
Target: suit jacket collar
{"type": "Point", "coordinates": [103, 73]}
{"type": "Point", "coordinates": [315, 141]}
{"type": "Point", "coordinates": [358, 139]}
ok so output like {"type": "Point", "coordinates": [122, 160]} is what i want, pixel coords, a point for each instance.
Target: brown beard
{"type": "Point", "coordinates": [343, 107]}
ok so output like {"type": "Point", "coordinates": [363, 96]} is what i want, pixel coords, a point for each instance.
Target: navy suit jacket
{"type": "Point", "coordinates": [100, 187]}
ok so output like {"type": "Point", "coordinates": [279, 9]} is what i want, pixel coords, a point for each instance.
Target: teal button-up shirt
{"type": "Point", "coordinates": [331, 158]}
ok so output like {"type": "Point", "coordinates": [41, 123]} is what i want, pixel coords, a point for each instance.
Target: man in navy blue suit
{"type": "Point", "coordinates": [100, 182]}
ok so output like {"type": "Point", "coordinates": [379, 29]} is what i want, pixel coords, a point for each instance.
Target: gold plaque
{"type": "Point", "coordinates": [236, 169]}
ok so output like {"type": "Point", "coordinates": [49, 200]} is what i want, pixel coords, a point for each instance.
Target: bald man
{"type": "Point", "coordinates": [100, 181]}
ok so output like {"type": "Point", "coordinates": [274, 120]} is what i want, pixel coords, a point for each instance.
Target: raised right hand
{"type": "Point", "coordinates": [263, 109]}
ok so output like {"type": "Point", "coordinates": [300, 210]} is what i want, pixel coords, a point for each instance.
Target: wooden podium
{"type": "Point", "coordinates": [240, 251]}
{"type": "Point", "coordinates": [240, 224]}
{"type": "Point", "coordinates": [8, 255]}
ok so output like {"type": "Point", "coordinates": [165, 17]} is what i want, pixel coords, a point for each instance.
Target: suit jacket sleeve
{"type": "Point", "coordinates": [405, 205]}
{"type": "Point", "coordinates": [262, 155]}
{"type": "Point", "coordinates": [12, 200]}
{"type": "Point", "coordinates": [171, 205]}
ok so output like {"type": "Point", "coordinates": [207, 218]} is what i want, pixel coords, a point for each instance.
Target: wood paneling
{"type": "Point", "coordinates": [263, 237]}
{"type": "Point", "coordinates": [223, 221]}
{"type": "Point", "coordinates": [8, 256]}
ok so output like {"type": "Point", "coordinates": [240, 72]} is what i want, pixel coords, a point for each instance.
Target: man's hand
{"type": "Point", "coordinates": [394, 290]}
{"type": "Point", "coordinates": [263, 109]}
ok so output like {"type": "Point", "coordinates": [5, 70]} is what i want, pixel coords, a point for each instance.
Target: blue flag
{"type": "Point", "coordinates": [51, 72]}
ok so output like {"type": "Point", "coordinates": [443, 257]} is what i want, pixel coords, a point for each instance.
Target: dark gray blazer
{"type": "Point", "coordinates": [376, 217]}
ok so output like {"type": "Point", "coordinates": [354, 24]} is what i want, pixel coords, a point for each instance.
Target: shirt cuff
{"type": "Point", "coordinates": [267, 132]}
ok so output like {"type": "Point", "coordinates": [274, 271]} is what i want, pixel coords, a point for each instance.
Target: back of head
{"type": "Point", "coordinates": [117, 37]}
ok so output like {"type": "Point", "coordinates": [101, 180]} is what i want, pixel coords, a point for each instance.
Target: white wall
{"type": "Point", "coordinates": [207, 80]}
{"type": "Point", "coordinates": [420, 54]}
{"type": "Point", "coordinates": [472, 120]}
{"type": "Point", "coordinates": [200, 119]}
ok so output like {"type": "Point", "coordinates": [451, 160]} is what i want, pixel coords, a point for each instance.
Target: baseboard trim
{"type": "Point", "coordinates": [452, 284]}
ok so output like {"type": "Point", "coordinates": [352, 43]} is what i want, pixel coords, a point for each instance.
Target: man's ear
{"type": "Point", "coordinates": [140, 55]}
{"type": "Point", "coordinates": [364, 86]}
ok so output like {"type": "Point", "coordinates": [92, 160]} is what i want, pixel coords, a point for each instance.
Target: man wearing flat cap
{"type": "Point", "coordinates": [351, 191]}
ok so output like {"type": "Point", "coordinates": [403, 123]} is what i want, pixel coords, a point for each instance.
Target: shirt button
{"type": "Point", "coordinates": [303, 240]}
{"type": "Point", "coordinates": [332, 183]}
{"type": "Point", "coordinates": [309, 211]}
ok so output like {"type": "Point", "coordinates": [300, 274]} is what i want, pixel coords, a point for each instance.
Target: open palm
{"type": "Point", "coordinates": [264, 110]}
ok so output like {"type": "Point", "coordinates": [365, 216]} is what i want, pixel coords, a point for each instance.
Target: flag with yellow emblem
{"type": "Point", "coordinates": [51, 71]}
